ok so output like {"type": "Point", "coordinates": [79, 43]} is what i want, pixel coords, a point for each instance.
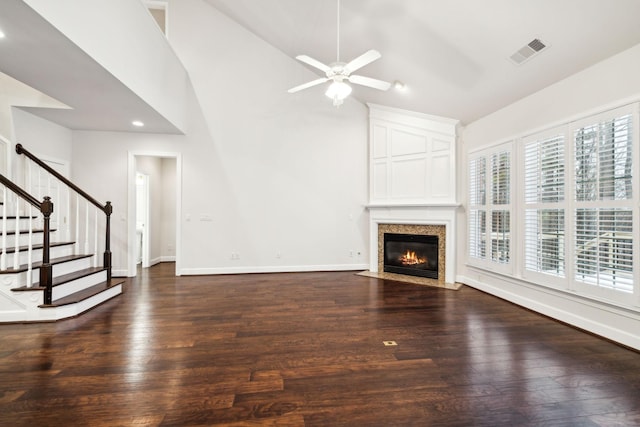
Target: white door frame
{"type": "Point", "coordinates": [5, 158]}
{"type": "Point", "coordinates": [131, 206]}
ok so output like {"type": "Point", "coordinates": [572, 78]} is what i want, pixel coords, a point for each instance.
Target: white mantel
{"type": "Point", "coordinates": [443, 214]}
{"type": "Point", "coordinates": [412, 177]}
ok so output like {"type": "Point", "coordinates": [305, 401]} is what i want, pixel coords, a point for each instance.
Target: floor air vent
{"type": "Point", "coordinates": [526, 52]}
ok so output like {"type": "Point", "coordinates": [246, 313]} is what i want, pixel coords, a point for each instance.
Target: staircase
{"type": "Point", "coordinates": [44, 275]}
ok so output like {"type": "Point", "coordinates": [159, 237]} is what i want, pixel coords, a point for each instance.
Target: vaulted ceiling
{"type": "Point", "coordinates": [452, 55]}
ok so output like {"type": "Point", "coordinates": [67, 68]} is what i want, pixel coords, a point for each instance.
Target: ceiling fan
{"type": "Point", "coordinates": [340, 73]}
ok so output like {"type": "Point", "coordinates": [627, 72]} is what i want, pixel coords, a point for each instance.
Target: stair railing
{"type": "Point", "coordinates": [107, 209]}
{"type": "Point", "coordinates": [46, 208]}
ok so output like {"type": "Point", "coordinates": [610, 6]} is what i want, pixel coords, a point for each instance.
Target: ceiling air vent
{"type": "Point", "coordinates": [527, 51]}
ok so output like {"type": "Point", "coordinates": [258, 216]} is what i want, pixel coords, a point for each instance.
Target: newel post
{"type": "Point", "coordinates": [108, 209]}
{"type": "Point", "coordinates": [46, 270]}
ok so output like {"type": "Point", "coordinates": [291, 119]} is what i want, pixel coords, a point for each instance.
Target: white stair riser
{"type": "Point", "coordinates": [31, 312]}
{"type": "Point", "coordinates": [21, 224]}
{"type": "Point", "coordinates": [16, 280]}
{"type": "Point", "coordinates": [36, 254]}
{"type": "Point", "coordinates": [77, 285]}
{"type": "Point", "coordinates": [23, 239]}
{"type": "Point", "coordinates": [62, 312]}
{"type": "Point", "coordinates": [71, 266]}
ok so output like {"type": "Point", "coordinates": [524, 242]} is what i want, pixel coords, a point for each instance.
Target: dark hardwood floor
{"type": "Point", "coordinates": [307, 349]}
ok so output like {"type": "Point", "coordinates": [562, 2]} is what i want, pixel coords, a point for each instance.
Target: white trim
{"type": "Point", "coordinates": [400, 115]}
{"type": "Point", "coordinates": [119, 273]}
{"type": "Point", "coordinates": [607, 330]}
{"type": "Point", "coordinates": [412, 205]}
{"type": "Point", "coordinates": [273, 269]}
{"type": "Point", "coordinates": [415, 216]}
{"type": "Point", "coordinates": [626, 102]}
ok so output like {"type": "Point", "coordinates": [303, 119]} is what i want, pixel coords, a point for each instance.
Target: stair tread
{"type": "Point", "coordinates": [35, 247]}
{"type": "Point", "coordinates": [61, 280]}
{"type": "Point", "coordinates": [35, 230]}
{"type": "Point", "coordinates": [85, 293]}
{"type": "Point", "coordinates": [19, 217]}
{"type": "Point", "coordinates": [38, 264]}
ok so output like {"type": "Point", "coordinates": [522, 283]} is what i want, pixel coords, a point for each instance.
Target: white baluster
{"type": "Point", "coordinates": [77, 219]}
{"type": "Point", "coordinates": [3, 256]}
{"type": "Point", "coordinates": [30, 248]}
{"type": "Point", "coordinates": [30, 225]}
{"type": "Point", "coordinates": [95, 238]}
{"type": "Point", "coordinates": [16, 242]}
{"type": "Point", "coordinates": [86, 228]}
{"type": "Point", "coordinates": [65, 235]}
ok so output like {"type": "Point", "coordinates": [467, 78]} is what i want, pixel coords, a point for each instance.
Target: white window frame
{"type": "Point", "coordinates": [568, 281]}
{"type": "Point", "coordinates": [558, 281]}
{"type": "Point", "coordinates": [633, 204]}
{"type": "Point", "coordinates": [487, 262]}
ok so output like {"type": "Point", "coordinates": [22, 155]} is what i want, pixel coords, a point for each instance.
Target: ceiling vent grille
{"type": "Point", "coordinates": [526, 52]}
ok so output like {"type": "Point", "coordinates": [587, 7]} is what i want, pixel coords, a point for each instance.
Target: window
{"type": "Point", "coordinates": [477, 211]}
{"type": "Point", "coordinates": [579, 206]}
{"type": "Point", "coordinates": [544, 197]}
{"type": "Point", "coordinates": [604, 205]}
{"type": "Point", "coordinates": [490, 214]}
{"type": "Point", "coordinates": [500, 215]}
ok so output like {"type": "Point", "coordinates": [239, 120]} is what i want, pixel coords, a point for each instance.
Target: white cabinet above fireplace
{"type": "Point", "coordinates": [412, 157]}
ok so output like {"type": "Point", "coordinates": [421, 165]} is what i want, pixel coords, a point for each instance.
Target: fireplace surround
{"type": "Point", "coordinates": [419, 232]}
{"type": "Point", "coordinates": [436, 220]}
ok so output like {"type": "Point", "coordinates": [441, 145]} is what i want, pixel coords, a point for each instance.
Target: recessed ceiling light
{"type": "Point", "coordinates": [399, 85]}
{"type": "Point", "coordinates": [137, 123]}
{"type": "Point", "coordinates": [2, 35]}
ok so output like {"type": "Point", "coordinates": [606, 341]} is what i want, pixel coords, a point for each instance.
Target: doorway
{"type": "Point", "coordinates": [154, 182]}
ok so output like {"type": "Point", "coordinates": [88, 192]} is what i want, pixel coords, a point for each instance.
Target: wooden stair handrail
{"type": "Point", "coordinates": [46, 209]}
{"type": "Point", "coordinates": [107, 208]}
{"type": "Point", "coordinates": [19, 191]}
{"type": "Point", "coordinates": [21, 150]}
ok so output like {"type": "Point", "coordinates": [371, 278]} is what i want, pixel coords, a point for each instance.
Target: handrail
{"type": "Point", "coordinates": [46, 208]}
{"type": "Point", "coordinates": [107, 208]}
{"type": "Point", "coordinates": [19, 191]}
{"type": "Point", "coordinates": [21, 150]}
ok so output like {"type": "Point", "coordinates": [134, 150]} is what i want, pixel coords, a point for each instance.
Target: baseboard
{"type": "Point", "coordinates": [272, 269]}
{"type": "Point", "coordinates": [609, 322]}
{"type": "Point", "coordinates": [119, 273]}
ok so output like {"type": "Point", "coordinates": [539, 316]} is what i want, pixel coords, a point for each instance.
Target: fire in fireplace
{"type": "Point", "coordinates": [411, 254]}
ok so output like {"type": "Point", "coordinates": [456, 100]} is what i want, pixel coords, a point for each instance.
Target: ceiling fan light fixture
{"type": "Point", "coordinates": [338, 91]}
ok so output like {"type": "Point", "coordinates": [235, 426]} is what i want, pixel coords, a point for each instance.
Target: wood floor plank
{"type": "Point", "coordinates": [306, 349]}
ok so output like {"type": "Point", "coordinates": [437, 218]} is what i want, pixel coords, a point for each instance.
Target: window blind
{"type": "Point", "coordinates": [603, 218]}
{"type": "Point", "coordinates": [544, 181]}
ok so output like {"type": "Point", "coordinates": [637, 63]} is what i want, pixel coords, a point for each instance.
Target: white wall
{"type": "Point", "coordinates": [282, 178]}
{"type": "Point", "coordinates": [41, 137]}
{"type": "Point", "coordinates": [118, 34]}
{"type": "Point", "coordinates": [610, 83]}
{"type": "Point", "coordinates": [15, 93]}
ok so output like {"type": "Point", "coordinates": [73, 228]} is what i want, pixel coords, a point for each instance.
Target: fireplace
{"type": "Point", "coordinates": [411, 254]}
{"type": "Point", "coordinates": [434, 235]}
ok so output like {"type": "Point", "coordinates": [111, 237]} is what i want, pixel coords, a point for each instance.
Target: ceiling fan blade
{"type": "Point", "coordinates": [368, 81]}
{"type": "Point", "coordinates": [313, 62]}
{"type": "Point", "coordinates": [307, 85]}
{"type": "Point", "coordinates": [362, 60]}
